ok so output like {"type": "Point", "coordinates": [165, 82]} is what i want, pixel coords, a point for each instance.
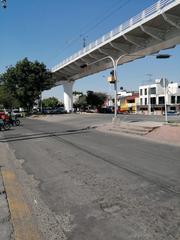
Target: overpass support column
{"type": "Point", "coordinates": [68, 96]}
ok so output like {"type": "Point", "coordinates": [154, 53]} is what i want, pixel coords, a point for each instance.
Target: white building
{"type": "Point", "coordinates": [124, 93]}
{"type": "Point", "coordinates": [152, 97]}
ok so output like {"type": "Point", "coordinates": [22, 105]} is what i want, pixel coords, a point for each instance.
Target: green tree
{"type": "Point", "coordinates": [6, 99]}
{"type": "Point", "coordinates": [96, 99]}
{"type": "Point", "coordinates": [81, 102]}
{"type": "Point", "coordinates": [51, 102]}
{"type": "Point", "coordinates": [26, 80]}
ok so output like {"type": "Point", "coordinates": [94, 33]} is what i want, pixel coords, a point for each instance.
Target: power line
{"type": "Point", "coordinates": [90, 27]}
{"type": "Point", "coordinates": [98, 22]}
{"type": "Point", "coordinates": [114, 5]}
{"type": "Point", "coordinates": [107, 16]}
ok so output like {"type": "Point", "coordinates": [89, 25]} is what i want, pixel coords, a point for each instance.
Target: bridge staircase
{"type": "Point", "coordinates": [138, 128]}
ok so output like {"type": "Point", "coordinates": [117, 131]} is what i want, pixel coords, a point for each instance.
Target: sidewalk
{"type": "Point", "coordinates": [6, 228]}
{"type": "Point", "coordinates": [154, 131]}
{"type": "Point", "coordinates": [16, 221]}
{"type": "Point", "coordinates": [169, 134]}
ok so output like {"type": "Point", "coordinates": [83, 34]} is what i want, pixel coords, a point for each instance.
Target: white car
{"type": "Point", "coordinates": [16, 113]}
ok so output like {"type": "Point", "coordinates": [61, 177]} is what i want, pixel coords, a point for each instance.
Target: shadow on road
{"type": "Point", "coordinates": [17, 137]}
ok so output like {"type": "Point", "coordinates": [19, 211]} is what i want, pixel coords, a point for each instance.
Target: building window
{"type": "Point", "coordinates": [141, 92]}
{"type": "Point", "coordinates": [161, 100]}
{"type": "Point", "coordinates": [141, 101]}
{"type": "Point", "coordinates": [153, 90]}
{"type": "Point", "coordinates": [178, 99]}
{"type": "Point", "coordinates": [173, 99]}
{"type": "Point", "coordinates": [145, 93]}
{"type": "Point", "coordinates": [131, 101]}
{"type": "Point", "coordinates": [153, 100]}
{"type": "Point", "coordinates": [145, 101]}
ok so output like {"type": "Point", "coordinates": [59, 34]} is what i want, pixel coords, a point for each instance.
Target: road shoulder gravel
{"type": "Point", "coordinates": [29, 217]}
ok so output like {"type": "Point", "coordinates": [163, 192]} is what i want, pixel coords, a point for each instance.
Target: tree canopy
{"type": "Point", "coordinates": [6, 99]}
{"type": "Point", "coordinates": [92, 99]}
{"type": "Point", "coordinates": [81, 102]}
{"type": "Point", "coordinates": [96, 99]}
{"type": "Point", "coordinates": [51, 102]}
{"type": "Point", "coordinates": [26, 80]}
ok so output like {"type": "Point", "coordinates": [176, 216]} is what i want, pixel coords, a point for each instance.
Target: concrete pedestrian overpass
{"type": "Point", "coordinates": [154, 29]}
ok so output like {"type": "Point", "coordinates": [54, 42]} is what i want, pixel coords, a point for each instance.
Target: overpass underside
{"type": "Point", "coordinates": [154, 29]}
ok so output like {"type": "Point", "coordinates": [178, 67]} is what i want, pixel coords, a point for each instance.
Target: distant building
{"type": "Point", "coordinates": [76, 96]}
{"type": "Point", "coordinates": [109, 101]}
{"type": "Point", "coordinates": [152, 97]}
{"type": "Point", "coordinates": [128, 101]}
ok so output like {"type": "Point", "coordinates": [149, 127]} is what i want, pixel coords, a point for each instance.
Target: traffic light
{"type": "Point", "coordinates": [111, 78]}
{"type": "Point", "coordinates": [112, 73]}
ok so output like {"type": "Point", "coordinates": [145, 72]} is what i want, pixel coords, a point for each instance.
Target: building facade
{"type": "Point", "coordinates": [128, 101]}
{"type": "Point", "coordinates": [153, 97]}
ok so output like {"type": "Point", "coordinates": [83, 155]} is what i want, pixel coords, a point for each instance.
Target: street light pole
{"type": "Point", "coordinates": [164, 56]}
{"type": "Point", "coordinates": [149, 93]}
{"type": "Point", "coordinates": [115, 64]}
{"type": "Point", "coordinates": [165, 100]}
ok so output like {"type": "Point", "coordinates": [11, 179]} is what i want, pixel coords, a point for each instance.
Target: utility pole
{"type": "Point", "coordinates": [149, 92]}
{"type": "Point", "coordinates": [85, 41]}
{"type": "Point", "coordinates": [165, 82]}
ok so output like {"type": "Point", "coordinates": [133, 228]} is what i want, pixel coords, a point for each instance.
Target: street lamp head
{"type": "Point", "coordinates": [84, 65]}
{"type": "Point", "coordinates": [163, 56]}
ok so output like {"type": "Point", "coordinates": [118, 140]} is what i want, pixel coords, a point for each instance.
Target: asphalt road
{"type": "Point", "coordinates": [89, 185]}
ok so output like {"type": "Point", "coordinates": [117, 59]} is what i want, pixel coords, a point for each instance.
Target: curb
{"type": "Point", "coordinates": [21, 217]}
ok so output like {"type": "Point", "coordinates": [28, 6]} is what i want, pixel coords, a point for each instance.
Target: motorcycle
{"type": "Point", "coordinates": [13, 121]}
{"type": "Point", "coordinates": [4, 125]}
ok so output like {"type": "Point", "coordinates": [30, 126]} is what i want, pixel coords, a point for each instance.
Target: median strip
{"type": "Point", "coordinates": [24, 226]}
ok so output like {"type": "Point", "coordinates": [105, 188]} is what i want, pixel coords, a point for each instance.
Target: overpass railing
{"type": "Point", "coordinates": [132, 21]}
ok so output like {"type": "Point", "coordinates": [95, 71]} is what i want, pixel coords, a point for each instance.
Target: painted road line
{"type": "Point", "coordinates": [24, 226]}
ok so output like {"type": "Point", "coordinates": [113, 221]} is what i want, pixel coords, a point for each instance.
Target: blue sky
{"type": "Point", "coordinates": [49, 31]}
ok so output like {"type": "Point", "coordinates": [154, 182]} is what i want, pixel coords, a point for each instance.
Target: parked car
{"type": "Point", "coordinates": [106, 110]}
{"type": "Point", "coordinates": [91, 110]}
{"type": "Point", "coordinates": [59, 110]}
{"type": "Point", "coordinates": [47, 110]}
{"type": "Point", "coordinates": [16, 113]}
{"type": "Point", "coordinates": [172, 113]}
